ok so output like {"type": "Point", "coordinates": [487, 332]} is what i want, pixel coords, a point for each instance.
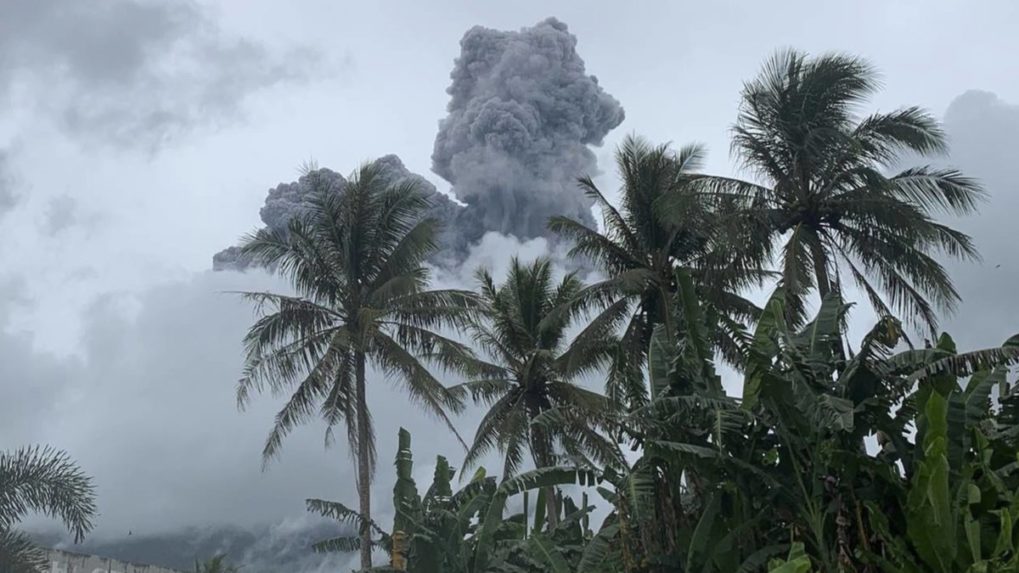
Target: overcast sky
{"type": "Point", "coordinates": [137, 138]}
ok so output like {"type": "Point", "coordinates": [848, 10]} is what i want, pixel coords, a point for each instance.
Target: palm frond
{"type": "Point", "coordinates": [44, 480]}
{"type": "Point", "coordinates": [421, 386]}
{"type": "Point", "coordinates": [947, 190]}
{"type": "Point", "coordinates": [969, 363]}
{"type": "Point", "coordinates": [492, 428]}
{"type": "Point", "coordinates": [589, 243]}
{"type": "Point", "coordinates": [19, 555]}
{"type": "Point", "coordinates": [341, 513]}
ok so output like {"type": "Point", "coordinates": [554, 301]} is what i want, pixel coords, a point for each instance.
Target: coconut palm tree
{"type": "Point", "coordinates": [827, 188]}
{"type": "Point", "coordinates": [42, 480]}
{"type": "Point", "coordinates": [355, 260]}
{"type": "Point", "coordinates": [663, 221]}
{"type": "Point", "coordinates": [530, 382]}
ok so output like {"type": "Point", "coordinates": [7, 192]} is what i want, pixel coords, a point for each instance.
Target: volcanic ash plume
{"type": "Point", "coordinates": [287, 200]}
{"type": "Point", "coordinates": [521, 116]}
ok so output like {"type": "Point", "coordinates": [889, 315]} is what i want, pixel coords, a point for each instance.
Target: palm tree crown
{"type": "Point", "coordinates": [46, 481]}
{"type": "Point", "coordinates": [663, 221]}
{"type": "Point", "coordinates": [825, 187]}
{"type": "Point", "coordinates": [356, 261]}
{"type": "Point", "coordinates": [534, 368]}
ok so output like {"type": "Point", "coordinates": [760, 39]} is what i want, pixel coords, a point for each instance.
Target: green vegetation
{"type": "Point", "coordinates": [467, 530]}
{"type": "Point", "coordinates": [825, 191]}
{"type": "Point", "coordinates": [534, 371]}
{"type": "Point", "coordinates": [835, 457]}
{"type": "Point", "coordinates": [44, 481]}
{"type": "Point", "coordinates": [664, 221]}
{"type": "Point", "coordinates": [355, 261]}
{"type": "Point", "coordinates": [217, 564]}
{"type": "Point", "coordinates": [523, 325]}
{"type": "Point", "coordinates": [732, 485]}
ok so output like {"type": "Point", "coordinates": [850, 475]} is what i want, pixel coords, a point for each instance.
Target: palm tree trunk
{"type": "Point", "coordinates": [541, 460]}
{"type": "Point", "coordinates": [666, 317]}
{"type": "Point", "coordinates": [551, 508]}
{"type": "Point", "coordinates": [363, 463]}
{"type": "Point", "coordinates": [824, 285]}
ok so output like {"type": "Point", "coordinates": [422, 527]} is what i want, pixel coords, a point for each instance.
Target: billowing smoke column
{"type": "Point", "coordinates": [287, 200]}
{"type": "Point", "coordinates": [283, 203]}
{"type": "Point", "coordinates": [521, 116]}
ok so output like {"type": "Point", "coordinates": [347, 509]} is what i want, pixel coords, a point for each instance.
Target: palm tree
{"type": "Point", "coordinates": [355, 260]}
{"type": "Point", "coordinates": [663, 222]}
{"type": "Point", "coordinates": [530, 382]}
{"type": "Point", "coordinates": [46, 481]}
{"type": "Point", "coordinates": [825, 187]}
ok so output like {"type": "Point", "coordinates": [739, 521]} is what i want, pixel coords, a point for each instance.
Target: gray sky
{"type": "Point", "coordinates": [139, 138]}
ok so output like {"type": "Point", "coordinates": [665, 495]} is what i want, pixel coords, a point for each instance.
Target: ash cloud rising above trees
{"type": "Point", "coordinates": [286, 201]}
{"type": "Point", "coordinates": [522, 114]}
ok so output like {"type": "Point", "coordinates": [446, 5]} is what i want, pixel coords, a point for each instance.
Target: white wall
{"type": "Point", "coordinates": [63, 562]}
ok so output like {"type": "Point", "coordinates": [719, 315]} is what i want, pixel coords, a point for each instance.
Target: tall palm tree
{"type": "Point", "coordinates": [355, 260]}
{"type": "Point", "coordinates": [663, 221]}
{"type": "Point", "coordinates": [530, 379]}
{"type": "Point", "coordinates": [46, 481]}
{"type": "Point", "coordinates": [825, 187]}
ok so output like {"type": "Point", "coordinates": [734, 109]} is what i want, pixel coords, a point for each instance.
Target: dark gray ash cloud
{"type": "Point", "coordinates": [133, 73]}
{"type": "Point", "coordinates": [456, 225]}
{"type": "Point", "coordinates": [286, 201]}
{"type": "Point", "coordinates": [522, 113]}
{"type": "Point", "coordinates": [283, 202]}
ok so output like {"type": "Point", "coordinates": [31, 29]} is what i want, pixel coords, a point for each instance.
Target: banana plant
{"type": "Point", "coordinates": [796, 562]}
{"type": "Point", "coordinates": [468, 530]}
{"type": "Point", "coordinates": [961, 508]}
{"type": "Point", "coordinates": [889, 459]}
{"type": "Point", "coordinates": [822, 409]}
{"type": "Point", "coordinates": [677, 507]}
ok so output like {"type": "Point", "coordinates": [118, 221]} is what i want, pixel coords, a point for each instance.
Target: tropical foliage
{"type": "Point", "coordinates": [535, 368]}
{"type": "Point", "coordinates": [825, 188]}
{"type": "Point", "coordinates": [356, 261]}
{"type": "Point", "coordinates": [819, 455]}
{"type": "Point", "coordinates": [726, 484]}
{"type": "Point", "coordinates": [663, 221]}
{"type": "Point", "coordinates": [46, 481]}
{"type": "Point", "coordinates": [888, 464]}
{"type": "Point", "coordinates": [467, 530]}
{"type": "Point", "coordinates": [865, 458]}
